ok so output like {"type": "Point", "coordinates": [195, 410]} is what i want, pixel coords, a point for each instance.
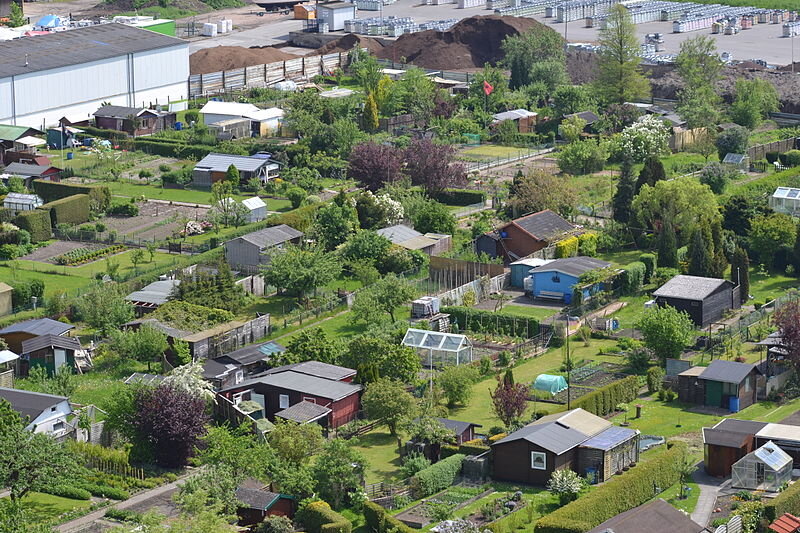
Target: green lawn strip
{"type": "Point", "coordinates": [45, 507]}
{"type": "Point", "coordinates": [52, 282]}
{"type": "Point", "coordinates": [620, 259]}
{"type": "Point", "coordinates": [89, 270]}
{"type": "Point", "coordinates": [593, 189]}
{"type": "Point", "coordinates": [191, 196]}
{"type": "Point", "coordinates": [493, 151]}
{"type": "Point", "coordinates": [672, 496]}
{"type": "Point", "coordinates": [764, 287]}
{"type": "Point", "coordinates": [380, 450]}
{"type": "Point", "coordinates": [528, 311]}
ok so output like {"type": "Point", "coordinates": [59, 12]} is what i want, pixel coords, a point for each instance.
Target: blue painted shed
{"type": "Point", "coordinates": [520, 270]}
{"type": "Point", "coordinates": [555, 280]}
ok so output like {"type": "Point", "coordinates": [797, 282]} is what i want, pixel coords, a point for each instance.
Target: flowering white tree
{"type": "Point", "coordinates": [647, 137]}
{"type": "Point", "coordinates": [566, 484]}
{"type": "Point", "coordinates": [189, 378]}
{"type": "Point", "coordinates": [393, 209]}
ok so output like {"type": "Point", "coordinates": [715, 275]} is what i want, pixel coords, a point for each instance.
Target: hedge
{"type": "Point", "coordinates": [105, 491]}
{"type": "Point", "coordinates": [605, 399]}
{"type": "Point", "coordinates": [633, 277]}
{"type": "Point", "coordinates": [99, 195]}
{"type": "Point", "coordinates": [178, 151]}
{"type": "Point", "coordinates": [7, 215]}
{"type": "Point", "coordinates": [460, 197]}
{"type": "Point", "coordinates": [620, 494]}
{"type": "Point", "coordinates": [587, 244]}
{"type": "Point", "coordinates": [436, 477]}
{"type": "Point", "coordinates": [71, 210]}
{"type": "Point", "coordinates": [318, 517]}
{"type": "Point", "coordinates": [479, 320]}
{"type": "Point", "coordinates": [300, 219]}
{"type": "Point", "coordinates": [446, 450]}
{"type": "Point", "coordinates": [787, 501]}
{"type": "Point", "coordinates": [37, 223]}
{"type": "Point", "coordinates": [649, 262]}
{"type": "Point", "coordinates": [567, 248]}
{"type": "Point", "coordinates": [473, 447]}
{"type": "Point", "coordinates": [379, 521]}
{"type": "Point", "coordinates": [67, 491]}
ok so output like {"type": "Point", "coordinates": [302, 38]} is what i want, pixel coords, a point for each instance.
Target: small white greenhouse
{"type": "Point", "coordinates": [767, 468]}
{"type": "Point", "coordinates": [439, 349]}
{"type": "Point", "coordinates": [785, 200]}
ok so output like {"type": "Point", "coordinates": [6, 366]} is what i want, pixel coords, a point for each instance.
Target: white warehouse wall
{"type": "Point", "coordinates": [42, 98]}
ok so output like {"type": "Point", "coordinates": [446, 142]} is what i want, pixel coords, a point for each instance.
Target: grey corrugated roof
{"type": "Point", "coordinates": [21, 169]}
{"type": "Point", "coordinates": [81, 45]}
{"type": "Point", "coordinates": [550, 436]}
{"type": "Point", "coordinates": [256, 498]}
{"type": "Point", "coordinates": [457, 426]}
{"type": "Point", "coordinates": [38, 326]}
{"type": "Point", "coordinates": [27, 403]}
{"type": "Point", "coordinates": [143, 378]}
{"type": "Point", "coordinates": [323, 370]}
{"type": "Point", "coordinates": [303, 412]}
{"type": "Point", "coordinates": [544, 225]}
{"type": "Point", "coordinates": [610, 438]}
{"type": "Point", "coordinates": [589, 116]}
{"type": "Point", "coordinates": [573, 266]}
{"type": "Point", "coordinates": [119, 111]}
{"type": "Point", "coordinates": [740, 426]}
{"type": "Point", "coordinates": [690, 287]}
{"type": "Point", "coordinates": [44, 341]}
{"type": "Point", "coordinates": [214, 369]}
{"type": "Point", "coordinates": [727, 439]}
{"type": "Point", "coordinates": [220, 162]}
{"type": "Point", "coordinates": [303, 383]}
{"type": "Point", "coordinates": [156, 293]}
{"type": "Point", "coordinates": [175, 333]}
{"type": "Point", "coordinates": [726, 371]}
{"type": "Point", "coordinates": [272, 236]}
{"type": "Point", "coordinates": [398, 233]}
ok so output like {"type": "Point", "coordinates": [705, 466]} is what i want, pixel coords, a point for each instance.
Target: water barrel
{"type": "Point", "coordinates": [70, 155]}
{"type": "Point", "coordinates": [179, 126]}
{"type": "Point", "coordinates": [733, 404]}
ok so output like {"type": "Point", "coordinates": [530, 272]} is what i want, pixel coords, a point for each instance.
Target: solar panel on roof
{"type": "Point", "coordinates": [792, 193]}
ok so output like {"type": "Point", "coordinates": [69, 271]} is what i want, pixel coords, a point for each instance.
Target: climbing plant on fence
{"type": "Point", "coordinates": [481, 321]}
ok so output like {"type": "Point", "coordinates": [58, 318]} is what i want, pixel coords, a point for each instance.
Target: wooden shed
{"type": "Point", "coordinates": [705, 300]}
{"type": "Point", "coordinates": [727, 442]}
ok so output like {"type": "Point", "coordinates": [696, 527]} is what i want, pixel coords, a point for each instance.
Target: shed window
{"type": "Point", "coordinates": [58, 426]}
{"type": "Point", "coordinates": [538, 461]}
{"type": "Point", "coordinates": [747, 384]}
{"type": "Point", "coordinates": [556, 278]}
{"type": "Point", "coordinates": [283, 401]}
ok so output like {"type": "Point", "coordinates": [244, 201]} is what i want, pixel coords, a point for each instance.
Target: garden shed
{"type": "Point", "coordinates": [727, 384]}
{"type": "Point", "coordinates": [550, 383]}
{"type": "Point", "coordinates": [768, 468]}
{"type": "Point", "coordinates": [705, 300]}
{"type": "Point", "coordinates": [439, 349]}
{"type": "Point", "coordinates": [557, 279]}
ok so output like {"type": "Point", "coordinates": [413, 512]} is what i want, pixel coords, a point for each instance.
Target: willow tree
{"type": "Point", "coordinates": [620, 79]}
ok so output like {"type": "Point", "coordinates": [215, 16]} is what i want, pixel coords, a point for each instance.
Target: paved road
{"type": "Point", "coordinates": [709, 488]}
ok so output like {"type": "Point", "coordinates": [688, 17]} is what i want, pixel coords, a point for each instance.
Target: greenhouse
{"type": "Point", "coordinates": [549, 383]}
{"type": "Point", "coordinates": [439, 349]}
{"type": "Point", "coordinates": [767, 468]}
{"type": "Point", "coordinates": [785, 200]}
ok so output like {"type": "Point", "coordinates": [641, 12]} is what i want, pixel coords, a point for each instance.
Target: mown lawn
{"type": "Point", "coordinates": [379, 448]}
{"type": "Point", "coordinates": [52, 282]}
{"type": "Point", "coordinates": [528, 311]}
{"type": "Point", "coordinates": [89, 270]}
{"type": "Point", "coordinates": [492, 151]}
{"type": "Point", "coordinates": [45, 507]}
{"type": "Point", "coordinates": [687, 505]}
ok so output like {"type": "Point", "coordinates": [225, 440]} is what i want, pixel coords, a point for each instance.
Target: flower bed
{"type": "Point", "coordinates": [441, 506]}
{"type": "Point", "coordinates": [80, 256]}
{"type": "Point", "coordinates": [498, 508]}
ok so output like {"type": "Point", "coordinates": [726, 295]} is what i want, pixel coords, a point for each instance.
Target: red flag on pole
{"type": "Point", "coordinates": [487, 88]}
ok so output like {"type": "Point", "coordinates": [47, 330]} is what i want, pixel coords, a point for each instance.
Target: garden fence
{"type": "Point", "coordinates": [524, 153]}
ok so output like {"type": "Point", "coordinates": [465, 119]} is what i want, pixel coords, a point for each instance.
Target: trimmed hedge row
{"type": "Point", "coordinates": [475, 447]}
{"type": "Point", "coordinates": [70, 210]}
{"type": "Point", "coordinates": [318, 517]}
{"type": "Point", "coordinates": [618, 495]}
{"type": "Point", "coordinates": [300, 219]}
{"type": "Point", "coordinates": [437, 477]}
{"type": "Point", "coordinates": [460, 197]}
{"type": "Point", "coordinates": [787, 501]}
{"type": "Point", "coordinates": [37, 223]}
{"type": "Point", "coordinates": [67, 491]}
{"type": "Point", "coordinates": [100, 195]}
{"type": "Point", "coordinates": [633, 277]}
{"type": "Point", "coordinates": [649, 262]}
{"type": "Point", "coordinates": [567, 247]}
{"type": "Point", "coordinates": [106, 491]}
{"type": "Point", "coordinates": [7, 215]}
{"type": "Point", "coordinates": [479, 320]}
{"type": "Point", "coordinates": [379, 521]}
{"type": "Point", "coordinates": [605, 399]}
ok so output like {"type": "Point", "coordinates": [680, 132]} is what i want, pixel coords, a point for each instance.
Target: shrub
{"type": "Point", "coordinates": [791, 158]}
{"type": "Point", "coordinates": [479, 320]}
{"type": "Point", "coordinates": [25, 290]}
{"type": "Point", "coordinates": [618, 495]}
{"type": "Point", "coordinates": [567, 247]}
{"type": "Point", "coordinates": [460, 197]}
{"type": "Point", "coordinates": [318, 517]}
{"type": "Point", "coordinates": [296, 195]}
{"type": "Point", "coordinates": [37, 223]}
{"type": "Point", "coordinates": [437, 477]}
{"type": "Point", "coordinates": [415, 462]}
{"type": "Point", "coordinates": [604, 400]}
{"type": "Point", "coordinates": [66, 491]}
{"type": "Point", "coordinates": [144, 174]}
{"type": "Point", "coordinates": [473, 447]}
{"type": "Point", "coordinates": [649, 262]}
{"type": "Point", "coordinates": [106, 491]}
{"type": "Point", "coordinates": [71, 210]}
{"type": "Point", "coordinates": [787, 501]}
{"type": "Point", "coordinates": [123, 515]}
{"type": "Point", "coordinates": [128, 209]}
{"type": "Point", "coordinates": [587, 244]}
{"type": "Point", "coordinates": [51, 191]}
{"type": "Point", "coordinates": [655, 379]}
{"type": "Point", "coordinates": [633, 277]}
{"type": "Point", "coordinates": [378, 520]}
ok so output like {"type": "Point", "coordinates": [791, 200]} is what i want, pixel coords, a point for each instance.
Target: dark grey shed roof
{"type": "Point", "coordinates": [315, 386]}
{"type": "Point", "coordinates": [38, 326]}
{"type": "Point", "coordinates": [74, 47]}
{"type": "Point", "coordinates": [23, 169]}
{"type": "Point", "coordinates": [740, 426]}
{"type": "Point", "coordinates": [119, 111]}
{"type": "Point", "coordinates": [273, 236]}
{"type": "Point", "coordinates": [256, 498]}
{"type": "Point", "coordinates": [656, 516]}
{"type": "Point", "coordinates": [398, 233]}
{"type": "Point", "coordinates": [213, 369]}
{"type": "Point", "coordinates": [727, 371]}
{"type": "Point", "coordinates": [690, 287]}
{"type": "Point", "coordinates": [572, 266]}
{"type": "Point", "coordinates": [316, 368]}
{"type": "Point", "coordinates": [29, 404]}
{"type": "Point", "coordinates": [544, 225]}
{"type": "Point", "coordinates": [220, 162]}
{"type": "Point", "coordinates": [727, 439]}
{"type": "Point", "coordinates": [551, 436]}
{"type": "Point", "coordinates": [175, 333]}
{"type": "Point", "coordinates": [48, 340]}
{"type": "Point", "coordinates": [457, 426]}
{"type": "Point", "coordinates": [589, 116]}
{"type": "Point", "coordinates": [303, 412]}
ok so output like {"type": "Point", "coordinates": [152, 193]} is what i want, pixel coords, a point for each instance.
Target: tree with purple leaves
{"type": "Point", "coordinates": [374, 164]}
{"type": "Point", "coordinates": [509, 400]}
{"type": "Point", "coordinates": [433, 166]}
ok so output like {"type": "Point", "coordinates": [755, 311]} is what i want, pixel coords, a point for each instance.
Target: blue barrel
{"type": "Point", "coordinates": [179, 126]}
{"type": "Point", "coordinates": [733, 404]}
{"type": "Point", "coordinates": [70, 155]}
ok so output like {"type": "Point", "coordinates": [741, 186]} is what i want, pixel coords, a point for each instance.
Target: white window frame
{"type": "Point", "coordinates": [538, 455]}
{"type": "Point", "coordinates": [238, 377]}
{"type": "Point", "coordinates": [239, 397]}
{"type": "Point", "coordinates": [283, 401]}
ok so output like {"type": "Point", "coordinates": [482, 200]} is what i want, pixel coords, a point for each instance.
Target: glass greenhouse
{"type": "Point", "coordinates": [766, 468]}
{"type": "Point", "coordinates": [785, 200]}
{"type": "Point", "coordinates": [439, 349]}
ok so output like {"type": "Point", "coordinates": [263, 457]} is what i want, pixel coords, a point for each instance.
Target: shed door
{"type": "Point", "coordinates": [61, 357]}
{"type": "Point", "coordinates": [714, 393]}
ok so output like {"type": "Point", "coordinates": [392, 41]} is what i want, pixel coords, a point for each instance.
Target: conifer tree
{"type": "Point", "coordinates": [740, 272]}
{"type": "Point", "coordinates": [626, 190]}
{"type": "Point", "coordinates": [652, 172]}
{"type": "Point", "coordinates": [668, 247]}
{"type": "Point", "coordinates": [700, 256]}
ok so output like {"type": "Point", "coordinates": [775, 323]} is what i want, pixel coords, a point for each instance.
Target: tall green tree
{"type": "Point", "coordinates": [626, 190]}
{"type": "Point", "coordinates": [668, 247]}
{"type": "Point", "coordinates": [700, 67]}
{"type": "Point", "coordinates": [769, 233]}
{"type": "Point", "coordinates": [456, 382]}
{"type": "Point", "coordinates": [740, 272]}
{"type": "Point", "coordinates": [652, 172]}
{"type": "Point", "coordinates": [620, 78]}
{"type": "Point", "coordinates": [232, 176]}
{"type": "Point", "coordinates": [103, 307]}
{"type": "Point", "coordinates": [311, 344]}
{"type": "Point", "coordinates": [339, 472]}
{"type": "Point", "coordinates": [535, 56]}
{"type": "Point", "coordinates": [700, 252]}
{"type": "Point", "coordinates": [370, 117]}
{"type": "Point", "coordinates": [334, 223]}
{"type": "Point", "coordinates": [755, 100]}
{"type": "Point", "coordinates": [296, 443]}
{"type": "Point", "coordinates": [389, 358]}
{"type": "Point", "coordinates": [146, 344]}
{"type": "Point", "coordinates": [666, 331]}
{"type": "Point", "coordinates": [301, 270]}
{"type": "Point", "coordinates": [16, 18]}
{"type": "Point", "coordinates": [384, 296]}
{"type": "Point", "coordinates": [388, 400]}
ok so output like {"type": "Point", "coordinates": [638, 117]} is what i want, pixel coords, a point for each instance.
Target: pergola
{"type": "Point", "coordinates": [440, 349]}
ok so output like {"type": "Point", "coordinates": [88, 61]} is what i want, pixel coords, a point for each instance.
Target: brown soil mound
{"type": "Point", "coordinates": [349, 41]}
{"type": "Point", "coordinates": [231, 57]}
{"type": "Point", "coordinates": [470, 43]}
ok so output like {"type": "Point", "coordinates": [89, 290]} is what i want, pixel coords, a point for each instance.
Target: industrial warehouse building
{"type": "Point", "coordinates": [70, 73]}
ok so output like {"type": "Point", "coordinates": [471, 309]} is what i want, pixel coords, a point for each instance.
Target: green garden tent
{"type": "Point", "coordinates": [551, 384]}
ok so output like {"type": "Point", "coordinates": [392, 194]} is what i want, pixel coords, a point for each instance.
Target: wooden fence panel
{"type": "Point", "coordinates": [254, 75]}
{"type": "Point", "coordinates": [294, 68]}
{"type": "Point", "coordinates": [760, 151]}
